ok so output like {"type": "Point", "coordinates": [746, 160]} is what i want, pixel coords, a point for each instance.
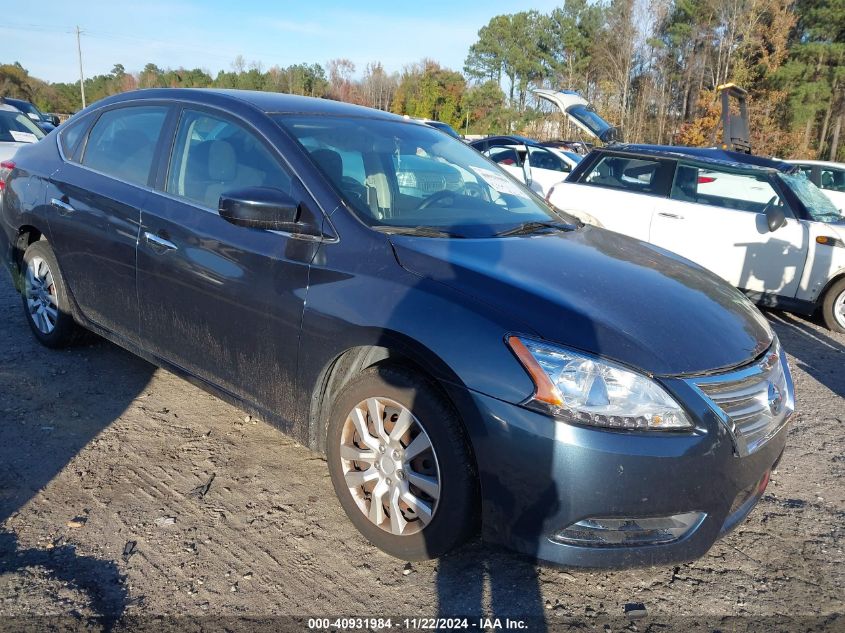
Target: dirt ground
{"type": "Point", "coordinates": [100, 452]}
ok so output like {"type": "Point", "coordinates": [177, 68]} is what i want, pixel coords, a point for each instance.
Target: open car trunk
{"type": "Point", "coordinates": [580, 113]}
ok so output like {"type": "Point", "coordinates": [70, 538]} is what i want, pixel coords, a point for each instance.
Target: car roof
{"type": "Point", "coordinates": [511, 139]}
{"type": "Point", "coordinates": [7, 107]}
{"type": "Point", "coordinates": [268, 102]}
{"type": "Point", "coordinates": [821, 163]}
{"type": "Point", "coordinates": [704, 154]}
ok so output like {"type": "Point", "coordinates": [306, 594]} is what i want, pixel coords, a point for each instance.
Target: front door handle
{"type": "Point", "coordinates": [671, 216]}
{"type": "Point", "coordinates": [63, 207]}
{"type": "Point", "coordinates": [159, 244]}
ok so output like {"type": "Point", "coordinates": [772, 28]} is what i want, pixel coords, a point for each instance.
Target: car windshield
{"type": "Point", "coordinates": [406, 177]}
{"type": "Point", "coordinates": [817, 204]}
{"type": "Point", "coordinates": [17, 127]}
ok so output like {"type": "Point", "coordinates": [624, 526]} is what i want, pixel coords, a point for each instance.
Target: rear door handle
{"type": "Point", "coordinates": [63, 207]}
{"type": "Point", "coordinates": [159, 244]}
{"type": "Point", "coordinates": [672, 216]}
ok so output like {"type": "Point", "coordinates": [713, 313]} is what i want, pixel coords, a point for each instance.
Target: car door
{"type": "Point", "coordinates": [618, 191]}
{"type": "Point", "coordinates": [546, 169]}
{"type": "Point", "coordinates": [223, 302]}
{"type": "Point", "coordinates": [716, 217]}
{"type": "Point", "coordinates": [96, 199]}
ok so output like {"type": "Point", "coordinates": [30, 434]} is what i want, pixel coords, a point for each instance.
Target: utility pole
{"type": "Point", "coordinates": [81, 77]}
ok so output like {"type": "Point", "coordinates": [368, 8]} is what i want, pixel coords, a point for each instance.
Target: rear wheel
{"type": "Point", "coordinates": [45, 300]}
{"type": "Point", "coordinates": [833, 307]}
{"type": "Point", "coordinates": [401, 465]}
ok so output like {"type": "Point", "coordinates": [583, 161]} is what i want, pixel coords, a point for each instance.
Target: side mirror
{"type": "Point", "coordinates": [526, 169]}
{"type": "Point", "coordinates": [54, 119]}
{"type": "Point", "coordinates": [775, 217]}
{"type": "Point", "coordinates": [260, 208]}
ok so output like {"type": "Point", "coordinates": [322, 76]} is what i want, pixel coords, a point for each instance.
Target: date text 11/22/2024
{"type": "Point", "coordinates": [412, 624]}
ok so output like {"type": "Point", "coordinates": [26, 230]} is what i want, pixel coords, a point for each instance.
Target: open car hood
{"type": "Point", "coordinates": [580, 113]}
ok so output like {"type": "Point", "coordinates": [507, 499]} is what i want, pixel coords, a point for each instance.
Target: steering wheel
{"type": "Point", "coordinates": [437, 197]}
{"type": "Point", "coordinates": [353, 188]}
{"type": "Point", "coordinates": [474, 190]}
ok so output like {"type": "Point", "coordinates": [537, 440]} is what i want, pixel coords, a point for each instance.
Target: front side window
{"type": "Point", "coordinates": [404, 177]}
{"type": "Point", "coordinates": [640, 175]}
{"type": "Point", "coordinates": [15, 127]}
{"type": "Point", "coordinates": [213, 155]}
{"type": "Point", "coordinates": [723, 188]}
{"type": "Point", "coordinates": [122, 142]}
{"type": "Point", "coordinates": [544, 159]}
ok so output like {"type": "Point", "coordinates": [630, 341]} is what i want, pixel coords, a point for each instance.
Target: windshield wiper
{"type": "Point", "coordinates": [527, 228]}
{"type": "Point", "coordinates": [421, 231]}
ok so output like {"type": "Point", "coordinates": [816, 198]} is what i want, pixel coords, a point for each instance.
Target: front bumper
{"type": "Point", "coordinates": [539, 476]}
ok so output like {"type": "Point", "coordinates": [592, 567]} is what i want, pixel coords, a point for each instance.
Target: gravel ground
{"type": "Point", "coordinates": [100, 453]}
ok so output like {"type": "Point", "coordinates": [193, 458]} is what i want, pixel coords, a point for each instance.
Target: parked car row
{"type": "Point", "coordinates": [467, 357]}
{"type": "Point", "coordinates": [47, 122]}
{"type": "Point", "coordinates": [760, 224]}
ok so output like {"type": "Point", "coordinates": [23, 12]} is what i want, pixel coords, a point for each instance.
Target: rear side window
{"type": "Point", "coordinates": [213, 155]}
{"type": "Point", "coordinates": [722, 188]}
{"type": "Point", "coordinates": [638, 175]}
{"type": "Point", "coordinates": [70, 136]}
{"type": "Point", "coordinates": [122, 142]}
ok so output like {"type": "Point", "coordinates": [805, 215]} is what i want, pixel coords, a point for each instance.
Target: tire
{"type": "Point", "coordinates": [431, 419]}
{"type": "Point", "coordinates": [43, 284]}
{"type": "Point", "coordinates": [833, 307]}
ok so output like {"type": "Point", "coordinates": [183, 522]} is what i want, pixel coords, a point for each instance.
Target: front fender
{"type": "Point", "coordinates": [457, 340]}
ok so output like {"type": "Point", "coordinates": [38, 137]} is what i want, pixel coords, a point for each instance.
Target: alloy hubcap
{"type": "Point", "coordinates": [40, 292]}
{"type": "Point", "coordinates": [390, 466]}
{"type": "Point", "coordinates": [839, 309]}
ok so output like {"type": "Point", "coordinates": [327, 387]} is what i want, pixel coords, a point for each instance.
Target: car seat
{"type": "Point", "coordinates": [330, 162]}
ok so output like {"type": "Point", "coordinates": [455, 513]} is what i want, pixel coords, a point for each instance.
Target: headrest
{"type": "Point", "coordinates": [330, 162]}
{"type": "Point", "coordinates": [222, 163]}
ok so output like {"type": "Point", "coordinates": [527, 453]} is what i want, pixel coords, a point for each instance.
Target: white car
{"type": "Point", "coordinates": [16, 129]}
{"type": "Point", "coordinates": [529, 162]}
{"type": "Point", "coordinates": [758, 223]}
{"type": "Point", "coordinates": [827, 176]}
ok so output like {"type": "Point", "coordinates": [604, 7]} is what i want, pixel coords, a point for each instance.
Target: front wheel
{"type": "Point", "coordinates": [833, 307]}
{"type": "Point", "coordinates": [401, 465]}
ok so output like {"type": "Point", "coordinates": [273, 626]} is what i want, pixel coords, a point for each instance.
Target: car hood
{"type": "Point", "coordinates": [603, 293]}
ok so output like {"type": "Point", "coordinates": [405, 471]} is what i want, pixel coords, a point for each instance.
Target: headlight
{"type": "Point", "coordinates": [579, 388]}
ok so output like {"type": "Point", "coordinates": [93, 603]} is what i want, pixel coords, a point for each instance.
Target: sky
{"type": "Point", "coordinates": [209, 35]}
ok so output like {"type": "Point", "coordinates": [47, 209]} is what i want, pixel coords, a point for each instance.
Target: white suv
{"type": "Point", "coordinates": [758, 223]}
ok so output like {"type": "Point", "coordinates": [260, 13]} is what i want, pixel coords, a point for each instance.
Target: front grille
{"type": "Point", "coordinates": [754, 401]}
